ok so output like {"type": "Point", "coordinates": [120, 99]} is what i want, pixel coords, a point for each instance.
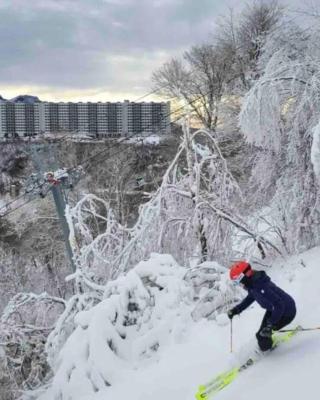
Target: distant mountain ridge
{"type": "Point", "coordinates": [22, 98]}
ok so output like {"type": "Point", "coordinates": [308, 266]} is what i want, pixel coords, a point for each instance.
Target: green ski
{"type": "Point", "coordinates": [224, 379]}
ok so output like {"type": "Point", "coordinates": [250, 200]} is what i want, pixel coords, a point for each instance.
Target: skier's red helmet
{"type": "Point", "coordinates": [240, 269]}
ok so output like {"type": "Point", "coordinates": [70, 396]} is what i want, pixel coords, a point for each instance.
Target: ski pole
{"type": "Point", "coordinates": [300, 329]}
{"type": "Point", "coordinates": [231, 347]}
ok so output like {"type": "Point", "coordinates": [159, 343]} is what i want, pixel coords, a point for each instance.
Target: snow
{"type": "Point", "coordinates": [144, 139]}
{"type": "Point", "coordinates": [197, 351]}
{"type": "Point", "coordinates": [291, 372]}
{"type": "Point", "coordinates": [315, 150]}
{"type": "Point", "coordinates": [2, 204]}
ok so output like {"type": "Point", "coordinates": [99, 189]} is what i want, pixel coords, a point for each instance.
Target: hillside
{"type": "Point", "coordinates": [203, 350]}
{"type": "Point", "coordinates": [123, 174]}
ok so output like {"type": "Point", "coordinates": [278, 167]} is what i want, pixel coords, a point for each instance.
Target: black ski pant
{"type": "Point", "coordinates": [265, 343]}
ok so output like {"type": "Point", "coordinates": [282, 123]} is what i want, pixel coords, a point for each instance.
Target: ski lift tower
{"type": "Point", "coordinates": [59, 182]}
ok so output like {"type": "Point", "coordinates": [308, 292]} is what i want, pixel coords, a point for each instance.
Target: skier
{"type": "Point", "coordinates": [281, 308]}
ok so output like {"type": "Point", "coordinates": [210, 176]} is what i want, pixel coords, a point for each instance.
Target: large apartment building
{"type": "Point", "coordinates": [28, 116]}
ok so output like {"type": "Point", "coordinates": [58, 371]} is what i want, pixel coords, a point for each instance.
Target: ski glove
{"type": "Point", "coordinates": [231, 313]}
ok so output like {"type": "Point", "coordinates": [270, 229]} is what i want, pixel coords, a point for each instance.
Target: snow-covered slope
{"type": "Point", "coordinates": [290, 372]}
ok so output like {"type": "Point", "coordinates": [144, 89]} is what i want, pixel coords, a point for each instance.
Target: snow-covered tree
{"type": "Point", "coordinates": [199, 79]}
{"type": "Point", "coordinates": [208, 74]}
{"type": "Point", "coordinates": [242, 36]}
{"type": "Point", "coordinates": [279, 115]}
{"type": "Point", "coordinates": [24, 327]}
{"type": "Point", "coordinates": [194, 215]}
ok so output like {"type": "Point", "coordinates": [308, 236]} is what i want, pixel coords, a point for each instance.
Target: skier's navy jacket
{"type": "Point", "coordinates": [268, 295]}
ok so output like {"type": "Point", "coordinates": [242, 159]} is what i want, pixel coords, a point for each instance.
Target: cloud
{"type": "Point", "coordinates": [79, 44]}
{"type": "Point", "coordinates": [112, 45]}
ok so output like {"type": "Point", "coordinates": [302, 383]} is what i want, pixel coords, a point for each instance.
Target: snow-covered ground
{"type": "Point", "coordinates": [290, 372]}
{"type": "Point", "coordinates": [153, 139]}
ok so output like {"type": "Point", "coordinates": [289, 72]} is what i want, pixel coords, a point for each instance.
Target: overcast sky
{"type": "Point", "coordinates": [93, 50]}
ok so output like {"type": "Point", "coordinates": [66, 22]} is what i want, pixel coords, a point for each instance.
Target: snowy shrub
{"type": "Point", "coordinates": [214, 292]}
{"type": "Point", "coordinates": [24, 328]}
{"type": "Point", "coordinates": [142, 311]}
{"type": "Point", "coordinates": [96, 236]}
